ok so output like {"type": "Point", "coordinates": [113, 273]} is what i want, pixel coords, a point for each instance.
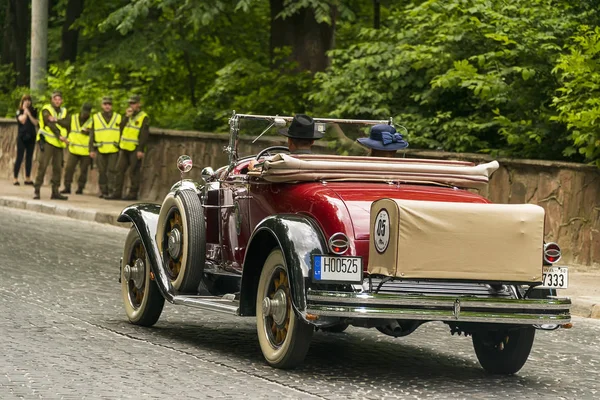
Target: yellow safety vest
{"type": "Point", "coordinates": [131, 132]}
{"type": "Point", "coordinates": [106, 136]}
{"type": "Point", "coordinates": [79, 142]}
{"type": "Point", "coordinates": [45, 131]}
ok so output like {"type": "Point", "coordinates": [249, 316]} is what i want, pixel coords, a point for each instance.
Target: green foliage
{"type": "Point", "coordinates": [323, 9]}
{"type": "Point", "coordinates": [463, 75]}
{"type": "Point", "coordinates": [7, 101]}
{"type": "Point", "coordinates": [503, 77]}
{"type": "Point", "coordinates": [252, 88]}
{"type": "Point", "coordinates": [77, 89]}
{"type": "Point", "coordinates": [578, 98]}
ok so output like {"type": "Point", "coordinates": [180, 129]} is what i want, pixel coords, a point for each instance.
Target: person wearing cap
{"type": "Point", "coordinates": [135, 130]}
{"type": "Point", "coordinates": [79, 149]}
{"type": "Point", "coordinates": [52, 137]}
{"type": "Point", "coordinates": [383, 141]}
{"type": "Point", "coordinates": [104, 145]}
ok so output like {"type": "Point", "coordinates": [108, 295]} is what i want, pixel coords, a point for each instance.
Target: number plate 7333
{"type": "Point", "coordinates": [555, 278]}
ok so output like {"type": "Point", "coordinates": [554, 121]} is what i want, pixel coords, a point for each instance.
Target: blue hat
{"type": "Point", "coordinates": [384, 137]}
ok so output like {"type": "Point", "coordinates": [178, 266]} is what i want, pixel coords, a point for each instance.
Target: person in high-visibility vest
{"type": "Point", "coordinates": [79, 149]}
{"type": "Point", "coordinates": [52, 137]}
{"type": "Point", "coordinates": [135, 130]}
{"type": "Point", "coordinates": [104, 145]}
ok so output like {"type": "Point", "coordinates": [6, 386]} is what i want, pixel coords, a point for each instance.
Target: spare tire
{"type": "Point", "coordinates": [181, 239]}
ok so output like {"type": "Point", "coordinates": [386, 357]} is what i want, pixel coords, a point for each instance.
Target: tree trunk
{"type": "Point", "coordinates": [376, 14]}
{"type": "Point", "coordinates": [308, 39]}
{"type": "Point", "coordinates": [7, 55]}
{"type": "Point", "coordinates": [70, 35]}
{"type": "Point", "coordinates": [15, 35]}
{"type": "Point", "coordinates": [21, 35]}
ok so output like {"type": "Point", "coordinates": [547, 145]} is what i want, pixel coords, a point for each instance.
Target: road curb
{"type": "Point", "coordinates": [585, 308]}
{"type": "Point", "coordinates": [63, 210]}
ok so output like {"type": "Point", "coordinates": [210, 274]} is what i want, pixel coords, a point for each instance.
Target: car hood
{"type": "Point", "coordinates": [358, 200]}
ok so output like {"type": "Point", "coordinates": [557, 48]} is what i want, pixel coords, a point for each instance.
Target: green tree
{"type": "Point", "coordinates": [578, 98]}
{"type": "Point", "coordinates": [462, 75]}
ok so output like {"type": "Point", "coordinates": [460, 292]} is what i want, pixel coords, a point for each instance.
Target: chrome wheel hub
{"type": "Point", "coordinates": [276, 307]}
{"type": "Point", "coordinates": [174, 244]}
{"type": "Point", "coordinates": [135, 273]}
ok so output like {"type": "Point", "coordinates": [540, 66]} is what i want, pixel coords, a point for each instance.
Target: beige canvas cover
{"type": "Point", "coordinates": [462, 241]}
{"type": "Point", "coordinates": [287, 168]}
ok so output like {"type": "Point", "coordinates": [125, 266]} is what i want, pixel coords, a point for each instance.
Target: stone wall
{"type": "Point", "coordinates": [569, 192]}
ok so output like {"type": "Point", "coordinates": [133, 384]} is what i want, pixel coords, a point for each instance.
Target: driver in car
{"type": "Point", "coordinates": [301, 136]}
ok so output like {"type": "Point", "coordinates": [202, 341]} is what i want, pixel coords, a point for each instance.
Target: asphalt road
{"type": "Point", "coordinates": [64, 334]}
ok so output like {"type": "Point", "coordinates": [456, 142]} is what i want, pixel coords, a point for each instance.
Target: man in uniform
{"type": "Point", "coordinates": [79, 149]}
{"type": "Point", "coordinates": [104, 145]}
{"type": "Point", "coordinates": [52, 136]}
{"type": "Point", "coordinates": [135, 130]}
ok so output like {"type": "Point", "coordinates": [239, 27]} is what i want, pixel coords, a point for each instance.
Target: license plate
{"type": "Point", "coordinates": [337, 269]}
{"type": "Point", "coordinates": [555, 278]}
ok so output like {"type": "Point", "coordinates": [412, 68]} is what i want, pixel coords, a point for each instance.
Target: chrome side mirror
{"type": "Point", "coordinates": [208, 174]}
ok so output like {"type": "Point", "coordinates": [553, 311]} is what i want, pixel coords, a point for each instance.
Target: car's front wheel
{"type": "Point", "coordinates": [141, 296]}
{"type": "Point", "coordinates": [283, 337]}
{"type": "Point", "coordinates": [503, 352]}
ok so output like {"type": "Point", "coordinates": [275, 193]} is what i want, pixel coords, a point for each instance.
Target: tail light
{"type": "Point", "coordinates": [338, 243]}
{"type": "Point", "coordinates": [552, 252]}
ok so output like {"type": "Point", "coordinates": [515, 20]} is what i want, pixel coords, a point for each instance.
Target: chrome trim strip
{"type": "Point", "coordinates": [209, 303]}
{"type": "Point", "coordinates": [360, 299]}
{"type": "Point", "coordinates": [437, 315]}
{"type": "Point", "coordinates": [557, 252]}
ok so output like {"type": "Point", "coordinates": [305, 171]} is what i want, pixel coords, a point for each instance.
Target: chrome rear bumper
{"type": "Point", "coordinates": [439, 308]}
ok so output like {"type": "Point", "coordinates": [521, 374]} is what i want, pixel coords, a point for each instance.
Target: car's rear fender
{"type": "Point", "coordinates": [298, 237]}
{"type": "Point", "coordinates": [144, 217]}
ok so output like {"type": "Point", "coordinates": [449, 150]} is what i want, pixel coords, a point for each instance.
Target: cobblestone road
{"type": "Point", "coordinates": [63, 334]}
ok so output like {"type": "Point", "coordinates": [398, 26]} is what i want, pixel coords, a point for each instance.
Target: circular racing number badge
{"type": "Point", "coordinates": [381, 230]}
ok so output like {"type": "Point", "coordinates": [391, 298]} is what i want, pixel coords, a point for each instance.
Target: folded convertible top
{"type": "Point", "coordinates": [289, 168]}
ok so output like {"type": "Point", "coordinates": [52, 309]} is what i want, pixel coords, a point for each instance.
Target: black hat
{"type": "Point", "coordinates": [302, 127]}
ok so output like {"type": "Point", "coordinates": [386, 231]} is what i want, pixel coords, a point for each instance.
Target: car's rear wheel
{"type": "Point", "coordinates": [503, 352]}
{"type": "Point", "coordinates": [181, 235]}
{"type": "Point", "coordinates": [283, 337]}
{"type": "Point", "coordinates": [141, 296]}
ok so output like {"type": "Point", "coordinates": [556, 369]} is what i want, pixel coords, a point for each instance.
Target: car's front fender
{"type": "Point", "coordinates": [144, 217]}
{"type": "Point", "coordinates": [298, 237]}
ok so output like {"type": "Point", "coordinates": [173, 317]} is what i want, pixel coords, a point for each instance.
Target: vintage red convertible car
{"type": "Point", "coordinates": [312, 242]}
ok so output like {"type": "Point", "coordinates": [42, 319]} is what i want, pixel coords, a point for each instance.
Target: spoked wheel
{"type": "Point", "coordinates": [503, 352]}
{"type": "Point", "coordinates": [283, 337]}
{"type": "Point", "coordinates": [141, 296]}
{"type": "Point", "coordinates": [181, 237]}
